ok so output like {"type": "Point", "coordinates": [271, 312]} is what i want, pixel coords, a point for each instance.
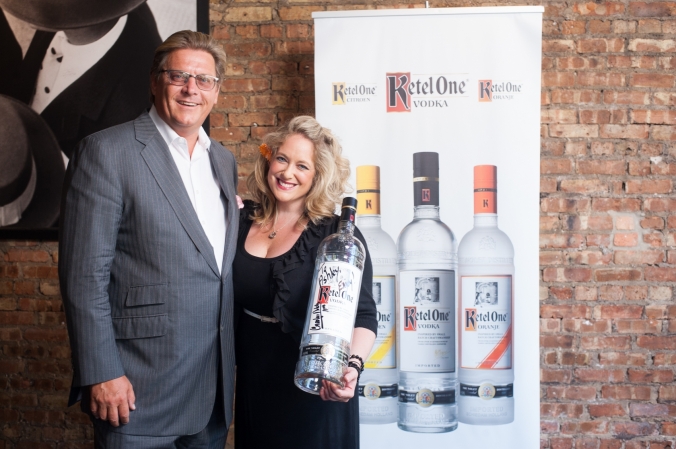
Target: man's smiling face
{"type": "Point", "coordinates": [185, 108]}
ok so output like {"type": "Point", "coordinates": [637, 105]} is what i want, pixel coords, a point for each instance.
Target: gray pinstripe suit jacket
{"type": "Point", "coordinates": [139, 280]}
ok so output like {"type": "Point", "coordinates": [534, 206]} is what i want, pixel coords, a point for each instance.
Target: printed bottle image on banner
{"type": "Point", "coordinates": [427, 261]}
{"type": "Point", "coordinates": [485, 311]}
{"type": "Point", "coordinates": [458, 88]}
{"type": "Point", "coordinates": [378, 385]}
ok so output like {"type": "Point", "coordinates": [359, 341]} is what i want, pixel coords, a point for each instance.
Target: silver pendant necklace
{"type": "Point", "coordinates": [273, 234]}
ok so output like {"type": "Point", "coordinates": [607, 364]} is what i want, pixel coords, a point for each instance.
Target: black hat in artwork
{"type": "Point", "coordinates": [55, 15]}
{"type": "Point", "coordinates": [32, 168]}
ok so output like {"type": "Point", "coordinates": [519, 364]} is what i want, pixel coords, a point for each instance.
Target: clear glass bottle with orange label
{"type": "Point", "coordinates": [485, 312]}
{"type": "Point", "coordinates": [378, 384]}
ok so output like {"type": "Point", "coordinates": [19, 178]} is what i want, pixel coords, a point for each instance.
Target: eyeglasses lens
{"type": "Point", "coordinates": [179, 78]}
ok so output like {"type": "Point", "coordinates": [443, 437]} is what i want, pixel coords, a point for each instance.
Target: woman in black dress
{"type": "Point", "coordinates": [296, 184]}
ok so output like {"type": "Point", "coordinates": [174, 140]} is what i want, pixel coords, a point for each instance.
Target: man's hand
{"type": "Point", "coordinates": [112, 400]}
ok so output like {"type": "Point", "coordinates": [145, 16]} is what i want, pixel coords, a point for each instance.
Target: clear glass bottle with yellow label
{"type": "Point", "coordinates": [378, 383]}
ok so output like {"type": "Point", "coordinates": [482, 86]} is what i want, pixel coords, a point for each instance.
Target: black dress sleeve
{"type": "Point", "coordinates": [366, 308]}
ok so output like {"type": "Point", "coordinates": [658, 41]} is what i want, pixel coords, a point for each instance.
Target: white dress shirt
{"type": "Point", "coordinates": [64, 63]}
{"type": "Point", "coordinates": [200, 182]}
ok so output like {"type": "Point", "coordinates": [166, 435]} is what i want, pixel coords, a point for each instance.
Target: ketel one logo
{"type": "Point", "coordinates": [398, 96]}
{"type": "Point", "coordinates": [405, 91]}
{"type": "Point", "coordinates": [426, 195]}
{"type": "Point", "coordinates": [485, 91]}
{"type": "Point", "coordinates": [470, 320]}
{"type": "Point", "coordinates": [325, 292]}
{"type": "Point", "coordinates": [410, 321]}
{"type": "Point", "coordinates": [492, 90]}
{"type": "Point", "coordinates": [344, 93]}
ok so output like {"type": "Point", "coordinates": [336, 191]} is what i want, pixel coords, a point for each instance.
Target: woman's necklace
{"type": "Point", "coordinates": [273, 234]}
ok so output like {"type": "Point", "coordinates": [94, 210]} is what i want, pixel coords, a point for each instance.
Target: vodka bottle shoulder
{"type": "Point", "coordinates": [378, 385]}
{"type": "Point", "coordinates": [486, 286]}
{"type": "Point", "coordinates": [332, 306]}
{"type": "Point", "coordinates": [427, 264]}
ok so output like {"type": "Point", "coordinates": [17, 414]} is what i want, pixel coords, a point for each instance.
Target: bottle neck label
{"type": "Point", "coordinates": [485, 201]}
{"type": "Point", "coordinates": [347, 214]}
{"type": "Point", "coordinates": [425, 191]}
{"type": "Point", "coordinates": [368, 202]}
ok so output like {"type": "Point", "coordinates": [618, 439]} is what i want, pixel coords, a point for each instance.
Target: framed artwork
{"type": "Point", "coordinates": [71, 68]}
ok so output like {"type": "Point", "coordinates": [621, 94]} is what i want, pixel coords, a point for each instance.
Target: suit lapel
{"type": "Point", "coordinates": [224, 175]}
{"type": "Point", "coordinates": [157, 156]}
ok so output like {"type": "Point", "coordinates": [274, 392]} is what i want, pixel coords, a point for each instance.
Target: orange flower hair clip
{"type": "Point", "coordinates": [266, 152]}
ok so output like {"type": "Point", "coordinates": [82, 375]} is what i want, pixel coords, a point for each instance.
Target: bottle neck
{"type": "Point", "coordinates": [485, 220]}
{"type": "Point", "coordinates": [368, 202]}
{"type": "Point", "coordinates": [369, 221]}
{"type": "Point", "coordinates": [346, 225]}
{"type": "Point", "coordinates": [426, 212]}
{"type": "Point", "coordinates": [485, 200]}
{"type": "Point", "coordinates": [425, 191]}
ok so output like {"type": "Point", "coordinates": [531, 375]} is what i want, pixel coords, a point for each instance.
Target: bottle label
{"type": "Point", "coordinates": [374, 391]}
{"type": "Point", "coordinates": [427, 321]}
{"type": "Point", "coordinates": [486, 322]}
{"type": "Point", "coordinates": [383, 354]}
{"type": "Point", "coordinates": [487, 391]}
{"type": "Point", "coordinates": [334, 304]}
{"type": "Point", "coordinates": [426, 397]}
{"type": "Point", "coordinates": [485, 201]}
{"type": "Point", "coordinates": [425, 191]}
{"type": "Point", "coordinates": [369, 202]}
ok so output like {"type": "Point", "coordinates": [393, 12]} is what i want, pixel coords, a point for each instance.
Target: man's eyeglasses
{"type": "Point", "coordinates": [179, 78]}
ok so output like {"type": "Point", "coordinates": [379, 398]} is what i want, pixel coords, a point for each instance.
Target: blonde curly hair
{"type": "Point", "coordinates": [330, 182]}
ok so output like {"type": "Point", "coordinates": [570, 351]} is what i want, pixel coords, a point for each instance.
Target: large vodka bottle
{"type": "Point", "coordinates": [485, 307]}
{"type": "Point", "coordinates": [427, 262]}
{"type": "Point", "coordinates": [378, 383]}
{"type": "Point", "coordinates": [332, 307]}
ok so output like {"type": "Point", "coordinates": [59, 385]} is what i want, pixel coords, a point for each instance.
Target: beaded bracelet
{"type": "Point", "coordinates": [357, 367]}
{"type": "Point", "coordinates": [355, 356]}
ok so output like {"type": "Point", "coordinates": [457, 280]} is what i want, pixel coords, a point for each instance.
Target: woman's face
{"type": "Point", "coordinates": [292, 170]}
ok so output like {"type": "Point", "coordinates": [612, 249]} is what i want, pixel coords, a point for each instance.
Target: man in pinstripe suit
{"type": "Point", "coordinates": [148, 234]}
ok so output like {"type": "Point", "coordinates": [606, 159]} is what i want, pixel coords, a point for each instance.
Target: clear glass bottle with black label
{"type": "Point", "coordinates": [427, 264]}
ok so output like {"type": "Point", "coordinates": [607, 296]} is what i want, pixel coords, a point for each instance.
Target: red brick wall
{"type": "Point", "coordinates": [608, 316]}
{"type": "Point", "coordinates": [608, 230]}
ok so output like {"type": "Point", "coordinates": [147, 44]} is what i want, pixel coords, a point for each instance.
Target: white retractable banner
{"type": "Point", "coordinates": [464, 83]}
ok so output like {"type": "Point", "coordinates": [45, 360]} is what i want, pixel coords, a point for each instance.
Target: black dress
{"type": "Point", "coordinates": [270, 411]}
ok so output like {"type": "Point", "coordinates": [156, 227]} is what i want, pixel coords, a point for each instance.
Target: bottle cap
{"type": "Point", "coordinates": [368, 177]}
{"type": "Point", "coordinates": [368, 189]}
{"type": "Point", "coordinates": [485, 177]}
{"type": "Point", "coordinates": [349, 203]}
{"type": "Point", "coordinates": [485, 189]}
{"type": "Point", "coordinates": [426, 165]}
